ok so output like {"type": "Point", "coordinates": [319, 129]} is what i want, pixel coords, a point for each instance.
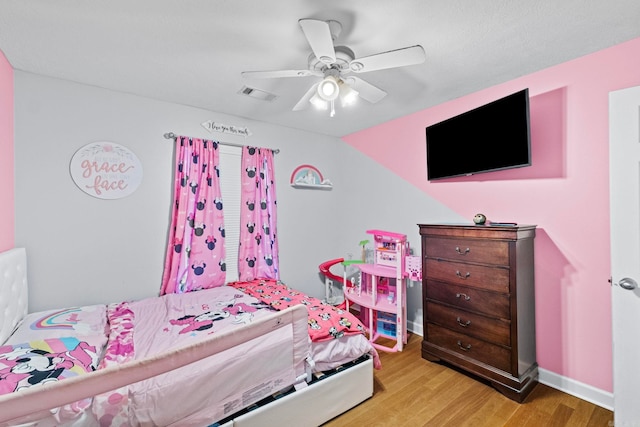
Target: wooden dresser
{"type": "Point", "coordinates": [478, 302]}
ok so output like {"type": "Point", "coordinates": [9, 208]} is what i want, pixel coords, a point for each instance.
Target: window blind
{"type": "Point", "coordinates": [230, 169]}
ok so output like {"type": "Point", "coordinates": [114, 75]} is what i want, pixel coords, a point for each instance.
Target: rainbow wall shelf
{"type": "Point", "coordinates": [307, 176]}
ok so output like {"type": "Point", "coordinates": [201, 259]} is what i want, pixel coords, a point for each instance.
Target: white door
{"type": "Point", "coordinates": [624, 140]}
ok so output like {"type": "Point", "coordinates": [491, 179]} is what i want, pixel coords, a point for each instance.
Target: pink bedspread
{"type": "Point", "coordinates": [326, 322]}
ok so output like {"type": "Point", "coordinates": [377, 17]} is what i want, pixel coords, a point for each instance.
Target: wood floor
{"type": "Point", "coordinates": [410, 391]}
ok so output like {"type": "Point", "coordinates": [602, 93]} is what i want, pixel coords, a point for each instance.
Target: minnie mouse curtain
{"type": "Point", "coordinates": [258, 250]}
{"type": "Point", "coordinates": [195, 256]}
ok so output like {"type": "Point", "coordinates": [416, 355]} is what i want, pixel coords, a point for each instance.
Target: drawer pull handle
{"type": "Point", "coordinates": [465, 296]}
{"type": "Point", "coordinates": [461, 276]}
{"type": "Point", "coordinates": [461, 252]}
{"type": "Point", "coordinates": [465, 347]}
{"type": "Point", "coordinates": [463, 324]}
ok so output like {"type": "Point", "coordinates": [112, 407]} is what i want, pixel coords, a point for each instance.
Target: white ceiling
{"type": "Point", "coordinates": [192, 52]}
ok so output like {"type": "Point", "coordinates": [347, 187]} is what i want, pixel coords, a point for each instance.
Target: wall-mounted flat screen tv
{"type": "Point", "coordinates": [492, 137]}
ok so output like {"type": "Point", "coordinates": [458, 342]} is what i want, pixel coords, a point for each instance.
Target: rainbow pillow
{"type": "Point", "coordinates": [74, 322]}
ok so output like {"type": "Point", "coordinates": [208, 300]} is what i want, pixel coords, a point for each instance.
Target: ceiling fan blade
{"type": "Point", "coordinates": [318, 34]}
{"type": "Point", "coordinates": [394, 58]}
{"type": "Point", "coordinates": [279, 74]}
{"type": "Point", "coordinates": [304, 101]}
{"type": "Point", "coordinates": [366, 90]}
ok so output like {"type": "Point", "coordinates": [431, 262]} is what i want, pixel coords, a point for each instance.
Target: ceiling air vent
{"type": "Point", "coordinates": [257, 93]}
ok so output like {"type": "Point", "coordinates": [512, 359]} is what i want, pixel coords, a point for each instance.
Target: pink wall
{"type": "Point", "coordinates": [6, 155]}
{"type": "Point", "coordinates": [565, 192]}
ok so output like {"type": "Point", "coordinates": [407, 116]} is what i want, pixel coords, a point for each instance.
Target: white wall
{"type": "Point", "coordinates": [375, 198]}
{"type": "Point", "coordinates": [83, 250]}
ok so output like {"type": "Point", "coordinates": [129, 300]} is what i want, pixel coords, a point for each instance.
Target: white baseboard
{"type": "Point", "coordinates": [415, 328]}
{"type": "Point", "coordinates": [576, 388]}
{"type": "Point", "coordinates": [567, 385]}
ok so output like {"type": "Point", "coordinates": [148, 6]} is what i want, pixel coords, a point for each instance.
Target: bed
{"type": "Point", "coordinates": [250, 353]}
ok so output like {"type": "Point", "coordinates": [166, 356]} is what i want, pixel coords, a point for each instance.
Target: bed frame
{"type": "Point", "coordinates": [310, 404]}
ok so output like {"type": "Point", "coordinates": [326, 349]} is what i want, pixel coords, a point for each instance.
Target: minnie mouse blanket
{"type": "Point", "coordinates": [326, 322]}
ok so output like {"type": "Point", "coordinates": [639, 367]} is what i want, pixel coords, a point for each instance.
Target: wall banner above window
{"type": "Point", "coordinates": [106, 170]}
{"type": "Point", "coordinates": [212, 126]}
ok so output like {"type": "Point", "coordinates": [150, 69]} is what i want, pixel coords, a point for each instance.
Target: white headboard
{"type": "Point", "coordinates": [13, 290]}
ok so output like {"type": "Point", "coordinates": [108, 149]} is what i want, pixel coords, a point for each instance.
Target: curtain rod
{"type": "Point", "coordinates": [171, 135]}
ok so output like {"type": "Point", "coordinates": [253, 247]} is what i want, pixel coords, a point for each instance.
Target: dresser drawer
{"type": "Point", "coordinates": [490, 354]}
{"type": "Point", "coordinates": [469, 250]}
{"type": "Point", "coordinates": [490, 303]}
{"type": "Point", "coordinates": [478, 276]}
{"type": "Point", "coordinates": [497, 331]}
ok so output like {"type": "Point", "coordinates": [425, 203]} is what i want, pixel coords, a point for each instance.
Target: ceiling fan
{"type": "Point", "coordinates": [335, 63]}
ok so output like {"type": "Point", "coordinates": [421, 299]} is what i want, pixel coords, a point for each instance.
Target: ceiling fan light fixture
{"type": "Point", "coordinates": [318, 102]}
{"type": "Point", "coordinates": [328, 88]}
{"type": "Point", "coordinates": [348, 95]}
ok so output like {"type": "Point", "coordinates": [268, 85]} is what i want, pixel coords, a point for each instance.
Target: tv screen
{"type": "Point", "coordinates": [492, 137]}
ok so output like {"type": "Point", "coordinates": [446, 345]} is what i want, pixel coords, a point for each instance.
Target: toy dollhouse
{"type": "Point", "coordinates": [381, 290]}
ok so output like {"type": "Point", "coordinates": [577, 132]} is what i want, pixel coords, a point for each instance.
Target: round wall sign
{"type": "Point", "coordinates": [106, 170]}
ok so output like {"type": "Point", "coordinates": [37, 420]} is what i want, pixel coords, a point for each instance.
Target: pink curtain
{"type": "Point", "coordinates": [258, 250]}
{"type": "Point", "coordinates": [195, 257]}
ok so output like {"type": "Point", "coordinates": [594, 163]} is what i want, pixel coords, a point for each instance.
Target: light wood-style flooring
{"type": "Point", "coordinates": [410, 391]}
